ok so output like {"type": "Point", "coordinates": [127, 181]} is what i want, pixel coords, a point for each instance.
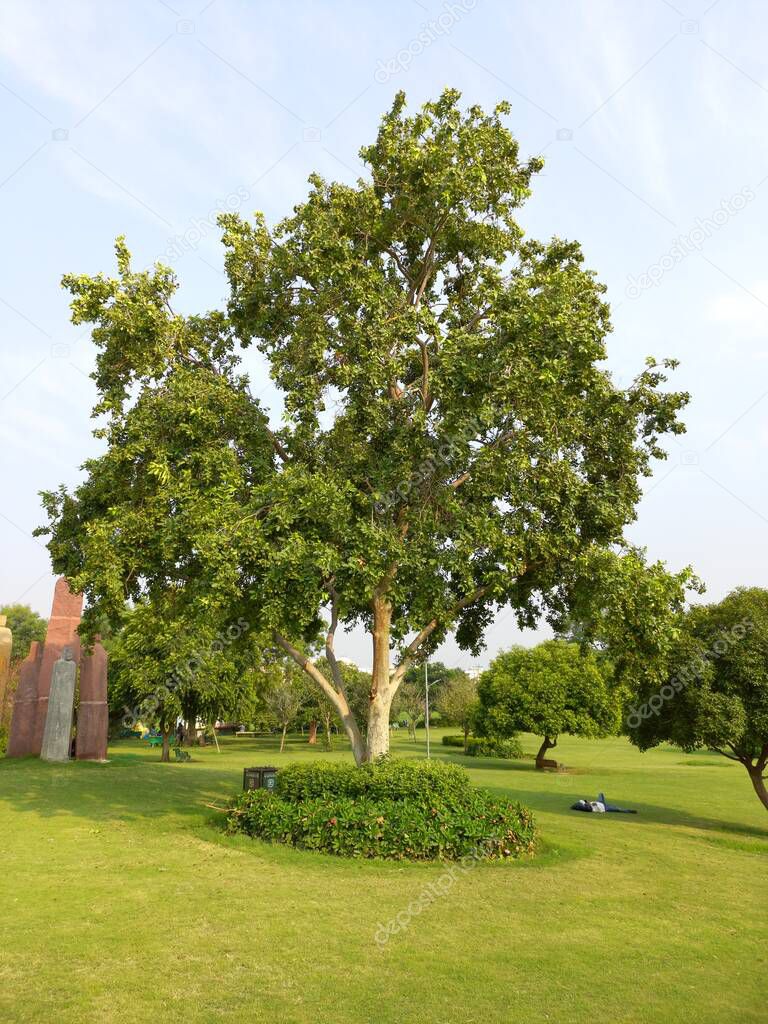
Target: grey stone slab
{"type": "Point", "coordinates": [58, 722]}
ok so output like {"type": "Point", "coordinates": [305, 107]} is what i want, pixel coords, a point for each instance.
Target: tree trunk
{"type": "Point", "coordinates": [282, 738]}
{"type": "Point", "coordinates": [166, 754]}
{"type": "Point", "coordinates": [328, 732]}
{"type": "Point", "coordinates": [382, 689]}
{"type": "Point", "coordinates": [378, 726]}
{"type": "Point", "coordinates": [312, 731]}
{"type": "Point", "coordinates": [190, 732]}
{"type": "Point", "coordinates": [756, 776]}
{"type": "Point", "coordinates": [466, 738]}
{"type": "Point", "coordinates": [548, 744]}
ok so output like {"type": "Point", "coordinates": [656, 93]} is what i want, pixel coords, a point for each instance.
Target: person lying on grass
{"type": "Point", "coordinates": [600, 806]}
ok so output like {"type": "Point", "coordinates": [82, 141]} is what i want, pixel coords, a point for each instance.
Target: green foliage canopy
{"type": "Point", "coordinates": [549, 689]}
{"type": "Point", "coordinates": [451, 443]}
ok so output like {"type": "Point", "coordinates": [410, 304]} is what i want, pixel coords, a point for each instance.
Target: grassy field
{"type": "Point", "coordinates": [120, 901]}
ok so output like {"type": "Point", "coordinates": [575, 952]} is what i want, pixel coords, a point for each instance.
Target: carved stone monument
{"type": "Point", "coordinates": [62, 632]}
{"type": "Point", "coordinates": [93, 713]}
{"type": "Point", "coordinates": [57, 734]}
{"type": "Point", "coordinates": [30, 706]}
{"type": "Point", "coordinates": [25, 704]}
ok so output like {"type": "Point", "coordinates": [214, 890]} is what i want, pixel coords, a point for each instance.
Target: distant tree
{"type": "Point", "coordinates": [26, 626]}
{"type": "Point", "coordinates": [411, 703]}
{"type": "Point", "coordinates": [458, 701]}
{"type": "Point", "coordinates": [285, 694]}
{"type": "Point", "coordinates": [715, 690]}
{"type": "Point", "coordinates": [550, 689]}
{"type": "Point", "coordinates": [164, 667]}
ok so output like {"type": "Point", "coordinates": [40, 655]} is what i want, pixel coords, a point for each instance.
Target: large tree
{"type": "Point", "coordinates": [553, 688]}
{"type": "Point", "coordinates": [714, 691]}
{"type": "Point", "coordinates": [458, 702]}
{"type": "Point", "coordinates": [451, 442]}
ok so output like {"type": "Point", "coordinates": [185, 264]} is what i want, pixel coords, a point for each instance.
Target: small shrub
{"type": "Point", "coordinates": [419, 781]}
{"type": "Point", "coordinates": [398, 810]}
{"type": "Point", "coordinates": [494, 746]}
{"type": "Point", "coordinates": [453, 741]}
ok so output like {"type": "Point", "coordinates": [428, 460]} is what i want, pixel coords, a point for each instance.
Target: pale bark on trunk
{"type": "Point", "coordinates": [282, 738]}
{"type": "Point", "coordinates": [336, 696]}
{"type": "Point", "coordinates": [383, 687]}
{"type": "Point", "coordinates": [312, 731]}
{"type": "Point", "coordinates": [384, 681]}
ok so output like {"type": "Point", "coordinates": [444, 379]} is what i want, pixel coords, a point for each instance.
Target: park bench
{"type": "Point", "coordinates": [181, 755]}
{"type": "Point", "coordinates": [155, 741]}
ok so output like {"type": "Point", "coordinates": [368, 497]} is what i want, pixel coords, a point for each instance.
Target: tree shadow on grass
{"type": "Point", "coordinates": [129, 788]}
{"type": "Point", "coordinates": [559, 803]}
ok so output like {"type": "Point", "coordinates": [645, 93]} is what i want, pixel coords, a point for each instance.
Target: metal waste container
{"type": "Point", "coordinates": [264, 777]}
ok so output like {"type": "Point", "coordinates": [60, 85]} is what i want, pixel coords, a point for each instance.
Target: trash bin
{"type": "Point", "coordinates": [264, 777]}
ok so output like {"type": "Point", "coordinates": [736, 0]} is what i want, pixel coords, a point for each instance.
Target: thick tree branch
{"type": "Point", "coordinates": [731, 757]}
{"type": "Point", "coordinates": [412, 650]}
{"type": "Point", "coordinates": [330, 654]}
{"type": "Point", "coordinates": [462, 479]}
{"type": "Point", "coordinates": [312, 671]}
{"type": "Point", "coordinates": [278, 446]}
{"type": "Point", "coordinates": [337, 698]}
{"type": "Point", "coordinates": [398, 260]}
{"type": "Point", "coordinates": [425, 396]}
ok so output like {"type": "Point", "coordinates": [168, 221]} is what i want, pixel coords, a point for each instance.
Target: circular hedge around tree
{"type": "Point", "coordinates": [396, 810]}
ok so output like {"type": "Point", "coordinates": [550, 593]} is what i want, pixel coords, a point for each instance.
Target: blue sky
{"type": "Point", "coordinates": [145, 119]}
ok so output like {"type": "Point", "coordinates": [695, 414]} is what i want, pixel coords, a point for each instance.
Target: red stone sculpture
{"type": "Point", "coordinates": [30, 706]}
{"type": "Point", "coordinates": [93, 714]}
{"type": "Point", "coordinates": [25, 704]}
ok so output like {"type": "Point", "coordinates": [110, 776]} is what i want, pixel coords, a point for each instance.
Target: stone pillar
{"type": "Point", "coordinates": [6, 643]}
{"type": "Point", "coordinates": [62, 632]}
{"type": "Point", "coordinates": [25, 704]}
{"type": "Point", "coordinates": [93, 713]}
{"type": "Point", "coordinates": [57, 735]}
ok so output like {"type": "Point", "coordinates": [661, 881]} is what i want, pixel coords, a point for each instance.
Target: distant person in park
{"type": "Point", "coordinates": [600, 806]}
{"type": "Point", "coordinates": [180, 733]}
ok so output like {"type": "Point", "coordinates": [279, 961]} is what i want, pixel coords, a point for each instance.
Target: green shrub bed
{"type": "Point", "coordinates": [487, 746]}
{"type": "Point", "coordinates": [453, 741]}
{"type": "Point", "coordinates": [396, 810]}
{"type": "Point", "coordinates": [495, 746]}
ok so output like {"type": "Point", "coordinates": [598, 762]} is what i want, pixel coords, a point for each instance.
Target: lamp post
{"type": "Point", "coordinates": [426, 704]}
{"type": "Point", "coordinates": [427, 685]}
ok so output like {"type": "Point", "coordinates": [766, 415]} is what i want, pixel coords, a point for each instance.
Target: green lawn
{"type": "Point", "coordinates": [120, 901]}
